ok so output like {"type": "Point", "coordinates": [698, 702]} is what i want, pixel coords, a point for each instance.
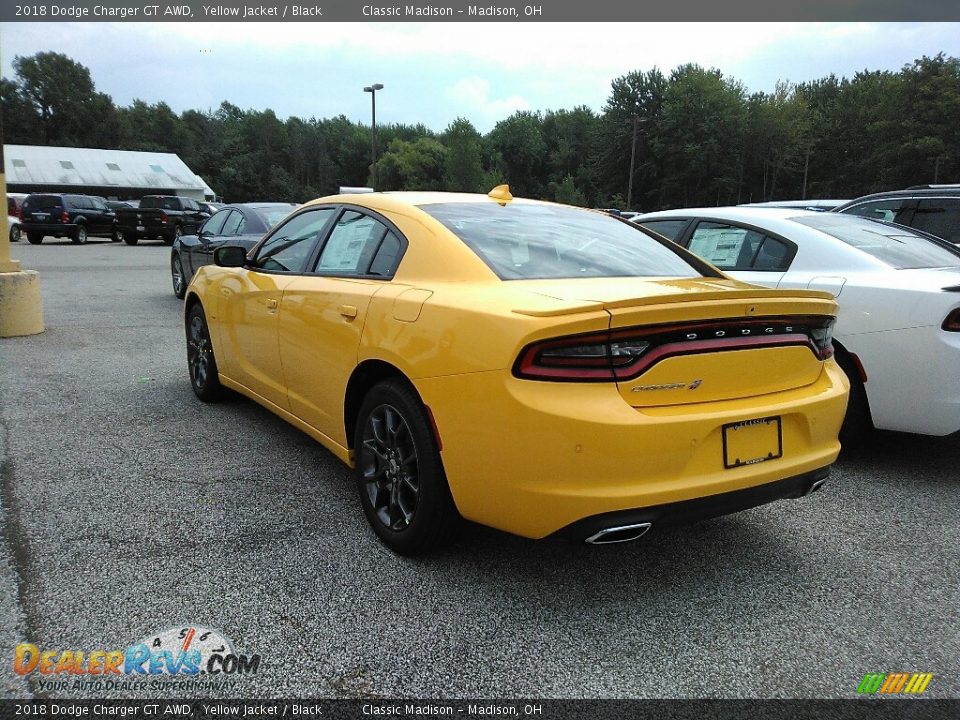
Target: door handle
{"type": "Point", "coordinates": [271, 304]}
{"type": "Point", "coordinates": [348, 311]}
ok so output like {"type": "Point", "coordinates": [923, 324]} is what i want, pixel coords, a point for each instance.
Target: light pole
{"type": "Point", "coordinates": [637, 121]}
{"type": "Point", "coordinates": [372, 89]}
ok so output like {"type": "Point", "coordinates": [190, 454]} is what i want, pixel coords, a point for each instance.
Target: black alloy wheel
{"type": "Point", "coordinates": [200, 358]}
{"type": "Point", "coordinates": [176, 275]}
{"type": "Point", "coordinates": [403, 488]}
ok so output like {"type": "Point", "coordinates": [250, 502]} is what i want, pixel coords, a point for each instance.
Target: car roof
{"type": "Point", "coordinates": [258, 205]}
{"type": "Point", "coordinates": [918, 192]}
{"type": "Point", "coordinates": [744, 214]}
{"type": "Point", "coordinates": [400, 200]}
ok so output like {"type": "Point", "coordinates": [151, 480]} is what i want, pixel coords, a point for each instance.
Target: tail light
{"type": "Point", "coordinates": [163, 218]}
{"type": "Point", "coordinates": [64, 217]}
{"type": "Point", "coordinates": [624, 354]}
{"type": "Point", "coordinates": [579, 357]}
{"type": "Point", "coordinates": [952, 322]}
{"type": "Point", "coordinates": [822, 337]}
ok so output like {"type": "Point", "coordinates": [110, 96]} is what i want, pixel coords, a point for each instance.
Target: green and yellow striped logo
{"type": "Point", "coordinates": [894, 683]}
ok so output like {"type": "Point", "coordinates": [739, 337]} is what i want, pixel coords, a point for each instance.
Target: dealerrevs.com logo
{"type": "Point", "coordinates": [184, 653]}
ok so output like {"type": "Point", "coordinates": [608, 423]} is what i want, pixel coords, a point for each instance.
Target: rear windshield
{"type": "Point", "coordinates": [41, 202]}
{"type": "Point", "coordinates": [520, 241]}
{"type": "Point", "coordinates": [890, 244]}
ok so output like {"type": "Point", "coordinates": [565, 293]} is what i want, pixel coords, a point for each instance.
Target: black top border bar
{"type": "Point", "coordinates": [457, 11]}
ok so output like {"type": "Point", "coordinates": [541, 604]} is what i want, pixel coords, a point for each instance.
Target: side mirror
{"type": "Point", "coordinates": [230, 256]}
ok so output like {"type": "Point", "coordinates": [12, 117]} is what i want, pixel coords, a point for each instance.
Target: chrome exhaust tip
{"type": "Point", "coordinates": [619, 534]}
{"type": "Point", "coordinates": [816, 485]}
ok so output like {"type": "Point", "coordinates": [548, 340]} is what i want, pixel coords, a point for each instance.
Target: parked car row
{"type": "Point", "coordinates": [78, 217]}
{"type": "Point", "coordinates": [166, 217]}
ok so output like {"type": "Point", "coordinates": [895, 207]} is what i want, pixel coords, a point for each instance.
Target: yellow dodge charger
{"type": "Point", "coordinates": [534, 367]}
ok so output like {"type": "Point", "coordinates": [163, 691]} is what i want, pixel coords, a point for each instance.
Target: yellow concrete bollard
{"type": "Point", "coordinates": [21, 307]}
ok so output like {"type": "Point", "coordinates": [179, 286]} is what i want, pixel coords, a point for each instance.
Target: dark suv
{"type": "Point", "coordinates": [73, 216]}
{"type": "Point", "coordinates": [932, 208]}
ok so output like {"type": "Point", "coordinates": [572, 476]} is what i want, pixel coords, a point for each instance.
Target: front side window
{"type": "Point", "coordinates": [895, 246]}
{"type": "Point", "coordinates": [521, 241]}
{"type": "Point", "coordinates": [289, 246]}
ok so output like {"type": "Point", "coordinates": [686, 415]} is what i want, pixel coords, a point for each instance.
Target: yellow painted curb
{"type": "Point", "coordinates": [21, 308]}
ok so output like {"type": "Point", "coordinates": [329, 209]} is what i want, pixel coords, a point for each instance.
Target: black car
{"type": "Point", "coordinates": [935, 209]}
{"type": "Point", "coordinates": [241, 224]}
{"type": "Point", "coordinates": [59, 215]}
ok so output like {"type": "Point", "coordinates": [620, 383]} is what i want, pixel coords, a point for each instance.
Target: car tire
{"type": "Point", "coordinates": [129, 237]}
{"type": "Point", "coordinates": [34, 238]}
{"type": "Point", "coordinates": [177, 233]}
{"type": "Point", "coordinates": [14, 233]}
{"type": "Point", "coordinates": [177, 277]}
{"type": "Point", "coordinates": [857, 423]}
{"type": "Point", "coordinates": [79, 235]}
{"type": "Point", "coordinates": [201, 362]}
{"type": "Point", "coordinates": [403, 488]}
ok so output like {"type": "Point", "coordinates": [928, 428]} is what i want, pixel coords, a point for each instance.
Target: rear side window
{"type": "Point", "coordinates": [731, 247]}
{"type": "Point", "coordinates": [233, 224]}
{"type": "Point", "coordinates": [895, 246]}
{"type": "Point", "coordinates": [528, 241]}
{"type": "Point", "coordinates": [352, 246]}
{"type": "Point", "coordinates": [214, 225]}
{"type": "Point", "coordinates": [940, 217]}
{"type": "Point", "coordinates": [151, 202]}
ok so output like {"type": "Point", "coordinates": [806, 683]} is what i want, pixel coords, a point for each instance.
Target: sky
{"type": "Point", "coordinates": [434, 73]}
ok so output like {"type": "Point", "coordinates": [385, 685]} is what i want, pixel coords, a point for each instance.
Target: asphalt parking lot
{"type": "Point", "coordinates": [129, 507]}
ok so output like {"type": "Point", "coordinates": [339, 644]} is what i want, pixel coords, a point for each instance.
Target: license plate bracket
{"type": "Point", "coordinates": [749, 442]}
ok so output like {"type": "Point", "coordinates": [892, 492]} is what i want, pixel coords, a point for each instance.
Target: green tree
{"type": "Point", "coordinates": [463, 167]}
{"type": "Point", "coordinates": [417, 165]}
{"type": "Point", "coordinates": [62, 96]}
{"type": "Point", "coordinates": [700, 138]}
{"type": "Point", "coordinates": [566, 192]}
{"type": "Point", "coordinates": [634, 95]}
{"type": "Point", "coordinates": [516, 150]}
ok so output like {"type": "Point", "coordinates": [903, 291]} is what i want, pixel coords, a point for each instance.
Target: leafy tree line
{"type": "Point", "coordinates": [696, 137]}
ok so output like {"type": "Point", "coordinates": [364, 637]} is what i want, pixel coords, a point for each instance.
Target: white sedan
{"type": "Point", "coordinates": [898, 330]}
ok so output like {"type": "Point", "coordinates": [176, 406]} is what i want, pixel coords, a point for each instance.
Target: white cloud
{"type": "Point", "coordinates": [471, 98]}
